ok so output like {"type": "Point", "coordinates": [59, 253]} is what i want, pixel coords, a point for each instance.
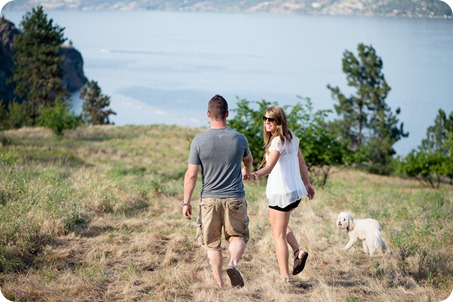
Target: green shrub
{"type": "Point", "coordinates": [19, 115]}
{"type": "Point", "coordinates": [320, 149]}
{"type": "Point", "coordinates": [58, 118]}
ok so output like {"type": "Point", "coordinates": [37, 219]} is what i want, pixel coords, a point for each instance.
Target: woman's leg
{"type": "Point", "coordinates": [279, 223]}
{"type": "Point", "coordinates": [292, 241]}
{"type": "Point", "coordinates": [299, 254]}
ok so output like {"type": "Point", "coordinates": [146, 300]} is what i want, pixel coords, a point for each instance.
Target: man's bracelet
{"type": "Point", "coordinates": [185, 203]}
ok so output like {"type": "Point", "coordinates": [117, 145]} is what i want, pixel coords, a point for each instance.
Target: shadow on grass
{"type": "Point", "coordinates": [304, 285]}
{"type": "Point", "coordinates": [346, 283]}
{"type": "Point", "coordinates": [95, 231]}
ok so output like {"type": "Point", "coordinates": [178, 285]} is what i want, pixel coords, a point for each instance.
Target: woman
{"type": "Point", "coordinates": [288, 182]}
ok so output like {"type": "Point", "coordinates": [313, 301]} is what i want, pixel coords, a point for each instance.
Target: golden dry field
{"type": "Point", "coordinates": [96, 216]}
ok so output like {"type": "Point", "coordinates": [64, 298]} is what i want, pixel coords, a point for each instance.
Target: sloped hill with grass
{"type": "Point", "coordinates": [96, 216]}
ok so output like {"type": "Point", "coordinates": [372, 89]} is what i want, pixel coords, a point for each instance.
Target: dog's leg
{"type": "Point", "coordinates": [382, 244]}
{"type": "Point", "coordinates": [349, 244]}
{"type": "Point", "coordinates": [371, 244]}
{"type": "Point", "coordinates": [365, 247]}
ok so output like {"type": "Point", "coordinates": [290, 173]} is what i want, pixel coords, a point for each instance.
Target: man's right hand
{"type": "Point", "coordinates": [187, 211]}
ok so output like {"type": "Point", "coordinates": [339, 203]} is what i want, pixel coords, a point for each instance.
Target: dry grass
{"type": "Point", "coordinates": [134, 244]}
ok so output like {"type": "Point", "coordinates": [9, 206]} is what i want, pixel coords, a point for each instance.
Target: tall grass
{"type": "Point", "coordinates": [417, 220]}
{"type": "Point", "coordinates": [96, 216]}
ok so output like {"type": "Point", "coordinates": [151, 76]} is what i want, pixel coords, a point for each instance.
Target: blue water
{"type": "Point", "coordinates": [161, 67]}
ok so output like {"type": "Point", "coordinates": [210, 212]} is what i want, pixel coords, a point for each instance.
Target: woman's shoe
{"type": "Point", "coordinates": [299, 263]}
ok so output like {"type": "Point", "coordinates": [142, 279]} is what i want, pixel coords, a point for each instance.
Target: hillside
{"type": "Point", "coordinates": [404, 8]}
{"type": "Point", "coordinates": [96, 216]}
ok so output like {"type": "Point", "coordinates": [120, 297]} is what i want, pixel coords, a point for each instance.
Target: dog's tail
{"type": "Point", "coordinates": [380, 242]}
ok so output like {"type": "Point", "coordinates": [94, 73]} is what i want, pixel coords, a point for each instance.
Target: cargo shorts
{"type": "Point", "coordinates": [221, 214]}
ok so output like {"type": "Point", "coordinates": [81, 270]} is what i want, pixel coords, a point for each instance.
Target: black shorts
{"type": "Point", "coordinates": [287, 208]}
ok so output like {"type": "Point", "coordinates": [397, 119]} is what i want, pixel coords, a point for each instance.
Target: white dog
{"type": "Point", "coordinates": [367, 230]}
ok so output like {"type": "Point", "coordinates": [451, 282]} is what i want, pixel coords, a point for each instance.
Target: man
{"type": "Point", "coordinates": [219, 151]}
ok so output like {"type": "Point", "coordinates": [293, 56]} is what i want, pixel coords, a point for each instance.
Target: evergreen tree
{"type": "Point", "coordinates": [436, 135]}
{"type": "Point", "coordinates": [367, 124]}
{"type": "Point", "coordinates": [38, 74]}
{"type": "Point", "coordinates": [94, 104]}
{"type": "Point", "coordinates": [437, 145]}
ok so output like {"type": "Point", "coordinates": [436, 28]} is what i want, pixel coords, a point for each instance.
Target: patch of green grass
{"type": "Point", "coordinates": [64, 182]}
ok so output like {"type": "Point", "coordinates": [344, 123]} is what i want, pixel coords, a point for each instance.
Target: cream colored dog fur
{"type": "Point", "coordinates": [367, 230]}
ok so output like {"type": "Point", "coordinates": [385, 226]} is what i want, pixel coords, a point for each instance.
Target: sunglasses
{"type": "Point", "coordinates": [270, 119]}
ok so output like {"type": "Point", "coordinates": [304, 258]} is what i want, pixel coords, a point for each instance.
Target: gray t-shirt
{"type": "Point", "coordinates": [219, 152]}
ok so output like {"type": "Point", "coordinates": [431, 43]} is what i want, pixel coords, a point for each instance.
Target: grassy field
{"type": "Point", "coordinates": [96, 216]}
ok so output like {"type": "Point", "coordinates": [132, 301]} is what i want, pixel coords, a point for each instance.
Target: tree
{"type": "Point", "coordinates": [436, 135]}
{"type": "Point", "coordinates": [319, 146]}
{"type": "Point", "coordinates": [94, 112]}
{"type": "Point", "coordinates": [433, 159]}
{"type": "Point", "coordinates": [367, 124]}
{"type": "Point", "coordinates": [38, 74]}
{"type": "Point", "coordinates": [249, 121]}
{"type": "Point", "coordinates": [449, 163]}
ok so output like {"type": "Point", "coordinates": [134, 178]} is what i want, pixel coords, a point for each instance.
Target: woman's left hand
{"type": "Point", "coordinates": [310, 191]}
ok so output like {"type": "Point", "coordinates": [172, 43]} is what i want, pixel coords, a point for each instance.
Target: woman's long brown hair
{"type": "Point", "coordinates": [282, 129]}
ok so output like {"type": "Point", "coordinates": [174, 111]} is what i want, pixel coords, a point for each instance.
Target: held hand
{"type": "Point", "coordinates": [310, 191]}
{"type": "Point", "coordinates": [187, 211]}
{"type": "Point", "coordinates": [244, 174]}
{"type": "Point", "coordinates": [247, 176]}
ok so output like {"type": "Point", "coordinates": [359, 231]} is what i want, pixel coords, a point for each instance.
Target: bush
{"type": "Point", "coordinates": [58, 118]}
{"type": "Point", "coordinates": [18, 115]}
{"type": "Point", "coordinates": [3, 115]}
{"type": "Point", "coordinates": [318, 145]}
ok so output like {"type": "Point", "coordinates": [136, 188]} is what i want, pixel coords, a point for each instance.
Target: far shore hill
{"type": "Point", "coordinates": [401, 8]}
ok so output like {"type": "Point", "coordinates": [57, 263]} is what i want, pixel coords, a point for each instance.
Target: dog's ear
{"type": "Point", "coordinates": [351, 223]}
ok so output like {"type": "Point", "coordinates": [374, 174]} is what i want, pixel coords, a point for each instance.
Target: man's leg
{"type": "Point", "coordinates": [237, 233]}
{"type": "Point", "coordinates": [216, 260]}
{"type": "Point", "coordinates": [236, 249]}
{"type": "Point", "coordinates": [212, 230]}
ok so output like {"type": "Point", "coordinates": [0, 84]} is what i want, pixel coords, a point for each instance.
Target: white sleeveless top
{"type": "Point", "coordinates": [284, 184]}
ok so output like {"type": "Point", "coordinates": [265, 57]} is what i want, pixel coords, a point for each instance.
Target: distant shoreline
{"type": "Point", "coordinates": [422, 17]}
{"type": "Point", "coordinates": [422, 9]}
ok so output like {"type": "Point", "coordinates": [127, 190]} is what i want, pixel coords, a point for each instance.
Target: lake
{"type": "Point", "coordinates": [163, 67]}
